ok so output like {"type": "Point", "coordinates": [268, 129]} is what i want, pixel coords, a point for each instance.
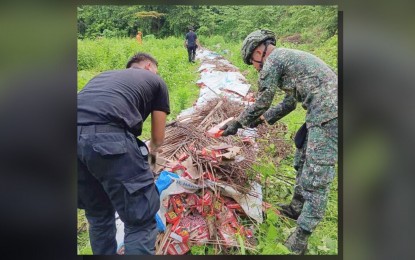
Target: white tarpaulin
{"type": "Point", "coordinates": [215, 83]}
{"type": "Point", "coordinates": [251, 202]}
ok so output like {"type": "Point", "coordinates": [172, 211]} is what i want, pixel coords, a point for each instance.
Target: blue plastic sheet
{"type": "Point", "coordinates": [162, 183]}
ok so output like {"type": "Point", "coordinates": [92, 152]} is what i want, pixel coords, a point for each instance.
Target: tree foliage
{"type": "Point", "coordinates": [232, 22]}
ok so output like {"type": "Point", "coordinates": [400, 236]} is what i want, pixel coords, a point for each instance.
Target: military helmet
{"type": "Point", "coordinates": [253, 40]}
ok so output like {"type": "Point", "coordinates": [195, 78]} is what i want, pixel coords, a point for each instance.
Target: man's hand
{"type": "Point", "coordinates": [152, 156]}
{"type": "Point", "coordinates": [231, 128]}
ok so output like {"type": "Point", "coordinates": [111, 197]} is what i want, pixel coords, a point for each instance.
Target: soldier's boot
{"type": "Point", "coordinates": [288, 211]}
{"type": "Point", "coordinates": [292, 210]}
{"type": "Point", "coordinates": [297, 241]}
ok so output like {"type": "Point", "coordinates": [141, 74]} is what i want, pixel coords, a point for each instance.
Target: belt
{"type": "Point", "coordinates": [91, 129]}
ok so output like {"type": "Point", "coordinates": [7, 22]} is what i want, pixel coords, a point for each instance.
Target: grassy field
{"type": "Point", "coordinates": [95, 56]}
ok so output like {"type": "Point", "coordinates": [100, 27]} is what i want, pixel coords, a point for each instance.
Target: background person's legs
{"type": "Point", "coordinates": [189, 53]}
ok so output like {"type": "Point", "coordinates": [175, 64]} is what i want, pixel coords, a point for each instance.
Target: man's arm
{"type": "Point", "coordinates": [158, 126]}
{"type": "Point", "coordinates": [277, 112]}
{"type": "Point", "coordinates": [267, 87]}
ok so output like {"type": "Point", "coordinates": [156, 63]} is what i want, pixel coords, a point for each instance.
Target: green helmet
{"type": "Point", "coordinates": [253, 40]}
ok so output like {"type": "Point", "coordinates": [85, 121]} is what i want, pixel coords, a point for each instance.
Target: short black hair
{"type": "Point", "coordinates": [139, 57]}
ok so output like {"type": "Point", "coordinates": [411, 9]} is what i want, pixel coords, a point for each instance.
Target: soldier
{"type": "Point", "coordinates": [138, 37]}
{"type": "Point", "coordinates": [307, 79]}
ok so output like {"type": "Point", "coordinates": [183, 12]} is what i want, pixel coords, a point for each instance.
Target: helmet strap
{"type": "Point", "coordinates": [261, 63]}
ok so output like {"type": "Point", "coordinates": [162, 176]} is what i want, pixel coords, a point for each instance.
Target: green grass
{"type": "Point", "coordinates": [84, 247]}
{"type": "Point", "coordinates": [95, 56]}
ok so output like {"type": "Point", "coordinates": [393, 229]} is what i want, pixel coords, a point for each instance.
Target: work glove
{"type": "Point", "coordinates": [231, 128]}
{"type": "Point", "coordinates": [255, 123]}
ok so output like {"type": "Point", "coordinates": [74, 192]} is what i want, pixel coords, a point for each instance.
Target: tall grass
{"type": "Point", "coordinates": [95, 56]}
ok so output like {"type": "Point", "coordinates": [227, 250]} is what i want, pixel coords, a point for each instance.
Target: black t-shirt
{"type": "Point", "coordinates": [191, 39]}
{"type": "Point", "coordinates": [122, 97]}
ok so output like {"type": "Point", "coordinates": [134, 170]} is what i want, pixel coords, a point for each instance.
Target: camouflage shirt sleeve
{"type": "Point", "coordinates": [268, 84]}
{"type": "Point", "coordinates": [277, 112]}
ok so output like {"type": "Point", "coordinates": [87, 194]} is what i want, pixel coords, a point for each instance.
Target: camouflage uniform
{"type": "Point", "coordinates": [307, 79]}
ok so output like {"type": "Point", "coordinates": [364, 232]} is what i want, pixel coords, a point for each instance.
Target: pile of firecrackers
{"type": "Point", "coordinates": [202, 218]}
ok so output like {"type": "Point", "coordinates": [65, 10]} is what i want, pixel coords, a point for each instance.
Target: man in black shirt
{"type": "Point", "coordinates": [191, 42]}
{"type": "Point", "coordinates": [113, 169]}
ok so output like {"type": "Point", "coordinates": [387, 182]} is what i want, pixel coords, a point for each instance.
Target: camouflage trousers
{"type": "Point", "coordinates": [315, 165]}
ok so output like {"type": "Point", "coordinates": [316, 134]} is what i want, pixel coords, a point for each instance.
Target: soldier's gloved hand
{"type": "Point", "coordinates": [231, 128]}
{"type": "Point", "coordinates": [255, 123]}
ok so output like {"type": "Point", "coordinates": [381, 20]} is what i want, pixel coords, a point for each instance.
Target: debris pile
{"type": "Point", "coordinates": [216, 186]}
{"type": "Point", "coordinates": [225, 159]}
{"type": "Point", "coordinates": [202, 218]}
{"type": "Point", "coordinates": [209, 187]}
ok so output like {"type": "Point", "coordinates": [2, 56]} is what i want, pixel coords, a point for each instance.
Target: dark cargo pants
{"type": "Point", "coordinates": [191, 51]}
{"type": "Point", "coordinates": [315, 165]}
{"type": "Point", "coordinates": [114, 175]}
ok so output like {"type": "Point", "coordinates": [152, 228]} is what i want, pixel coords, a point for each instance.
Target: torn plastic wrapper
{"type": "Point", "coordinates": [176, 201]}
{"type": "Point", "coordinates": [232, 152]}
{"type": "Point", "coordinates": [248, 140]}
{"type": "Point", "coordinates": [205, 207]}
{"type": "Point", "coordinates": [227, 233]}
{"type": "Point", "coordinates": [178, 249]}
{"type": "Point", "coordinates": [179, 185]}
{"type": "Point", "coordinates": [212, 155]}
{"type": "Point", "coordinates": [178, 168]}
{"type": "Point", "coordinates": [234, 206]}
{"type": "Point", "coordinates": [172, 217]}
{"type": "Point", "coordinates": [181, 235]}
{"type": "Point", "coordinates": [226, 216]}
{"type": "Point", "coordinates": [251, 202]}
{"type": "Point", "coordinates": [192, 200]}
{"type": "Point", "coordinates": [191, 171]}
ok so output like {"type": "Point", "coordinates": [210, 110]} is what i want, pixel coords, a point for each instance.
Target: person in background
{"type": "Point", "coordinates": [139, 38]}
{"type": "Point", "coordinates": [191, 42]}
{"type": "Point", "coordinates": [304, 78]}
{"type": "Point", "coordinates": [113, 169]}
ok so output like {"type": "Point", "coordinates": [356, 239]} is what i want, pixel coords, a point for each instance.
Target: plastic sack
{"type": "Point", "coordinates": [164, 180]}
